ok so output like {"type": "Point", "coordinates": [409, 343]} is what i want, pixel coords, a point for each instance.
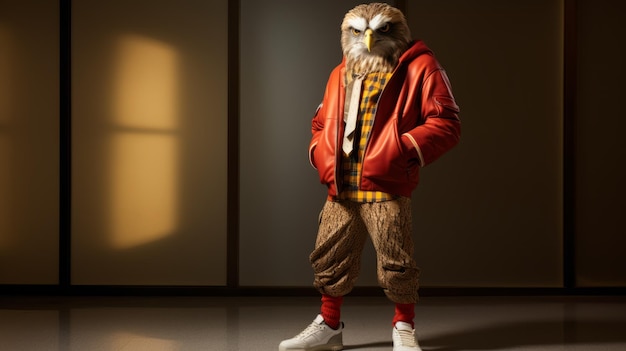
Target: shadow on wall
{"type": "Point", "coordinates": [28, 144]}
{"type": "Point", "coordinates": [5, 113]}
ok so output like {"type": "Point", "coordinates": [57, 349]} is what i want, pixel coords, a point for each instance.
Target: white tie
{"type": "Point", "coordinates": [350, 119]}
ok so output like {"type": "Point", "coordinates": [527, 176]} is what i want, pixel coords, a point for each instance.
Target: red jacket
{"type": "Point", "coordinates": [416, 122]}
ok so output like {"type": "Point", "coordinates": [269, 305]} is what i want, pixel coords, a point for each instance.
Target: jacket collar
{"type": "Point", "coordinates": [416, 48]}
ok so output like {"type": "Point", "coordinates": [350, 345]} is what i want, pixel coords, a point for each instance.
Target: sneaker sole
{"type": "Point", "coordinates": [326, 347]}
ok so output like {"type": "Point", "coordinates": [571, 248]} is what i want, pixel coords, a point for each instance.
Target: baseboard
{"type": "Point", "coordinates": [132, 290]}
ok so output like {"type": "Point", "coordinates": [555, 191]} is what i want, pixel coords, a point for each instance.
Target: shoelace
{"type": "Point", "coordinates": [407, 338]}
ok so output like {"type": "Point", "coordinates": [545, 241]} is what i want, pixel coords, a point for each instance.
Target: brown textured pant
{"type": "Point", "coordinates": [343, 230]}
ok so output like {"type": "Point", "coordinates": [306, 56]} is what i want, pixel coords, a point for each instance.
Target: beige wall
{"type": "Point", "coordinates": [283, 74]}
{"type": "Point", "coordinates": [149, 142]}
{"type": "Point", "coordinates": [489, 213]}
{"type": "Point", "coordinates": [29, 142]}
{"type": "Point", "coordinates": [149, 146]}
{"type": "Point", "coordinates": [600, 145]}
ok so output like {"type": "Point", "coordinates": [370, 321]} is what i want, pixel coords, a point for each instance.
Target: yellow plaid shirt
{"type": "Point", "coordinates": [373, 85]}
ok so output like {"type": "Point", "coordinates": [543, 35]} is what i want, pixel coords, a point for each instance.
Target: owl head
{"type": "Point", "coordinates": [373, 37]}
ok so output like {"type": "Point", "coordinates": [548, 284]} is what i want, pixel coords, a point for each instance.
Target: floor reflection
{"type": "Point", "coordinates": [232, 324]}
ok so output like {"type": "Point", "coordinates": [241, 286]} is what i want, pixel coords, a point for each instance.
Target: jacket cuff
{"type": "Point", "coordinates": [311, 161]}
{"type": "Point", "coordinates": [410, 144]}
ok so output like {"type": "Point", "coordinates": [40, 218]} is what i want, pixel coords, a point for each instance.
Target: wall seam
{"type": "Point", "coordinates": [65, 143]}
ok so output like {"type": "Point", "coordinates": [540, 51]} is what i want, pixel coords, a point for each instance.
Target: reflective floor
{"type": "Point", "coordinates": [258, 324]}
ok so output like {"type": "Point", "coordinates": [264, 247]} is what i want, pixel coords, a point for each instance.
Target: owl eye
{"type": "Point", "coordinates": [356, 31]}
{"type": "Point", "coordinates": [385, 28]}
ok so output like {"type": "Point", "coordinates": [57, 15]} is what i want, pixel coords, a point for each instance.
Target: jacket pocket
{"type": "Point", "coordinates": [386, 158]}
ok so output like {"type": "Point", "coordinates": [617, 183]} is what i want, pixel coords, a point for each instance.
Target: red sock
{"type": "Point", "coordinates": [331, 310]}
{"type": "Point", "coordinates": [405, 312]}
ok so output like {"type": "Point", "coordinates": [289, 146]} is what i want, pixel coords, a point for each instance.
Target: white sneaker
{"type": "Point", "coordinates": [316, 337]}
{"type": "Point", "coordinates": [404, 338]}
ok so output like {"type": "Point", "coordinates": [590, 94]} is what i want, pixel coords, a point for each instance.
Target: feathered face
{"type": "Point", "coordinates": [373, 37]}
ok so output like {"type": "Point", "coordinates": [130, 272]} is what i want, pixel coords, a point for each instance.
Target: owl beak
{"type": "Point", "coordinates": [368, 39]}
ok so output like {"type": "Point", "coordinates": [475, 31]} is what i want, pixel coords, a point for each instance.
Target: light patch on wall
{"type": "Point", "coordinates": [144, 188]}
{"type": "Point", "coordinates": [130, 341]}
{"type": "Point", "coordinates": [146, 84]}
{"type": "Point", "coordinates": [144, 143]}
{"type": "Point", "coordinates": [6, 51]}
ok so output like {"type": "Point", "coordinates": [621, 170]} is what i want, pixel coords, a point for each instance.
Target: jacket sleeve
{"type": "Point", "coordinates": [330, 108]}
{"type": "Point", "coordinates": [441, 127]}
